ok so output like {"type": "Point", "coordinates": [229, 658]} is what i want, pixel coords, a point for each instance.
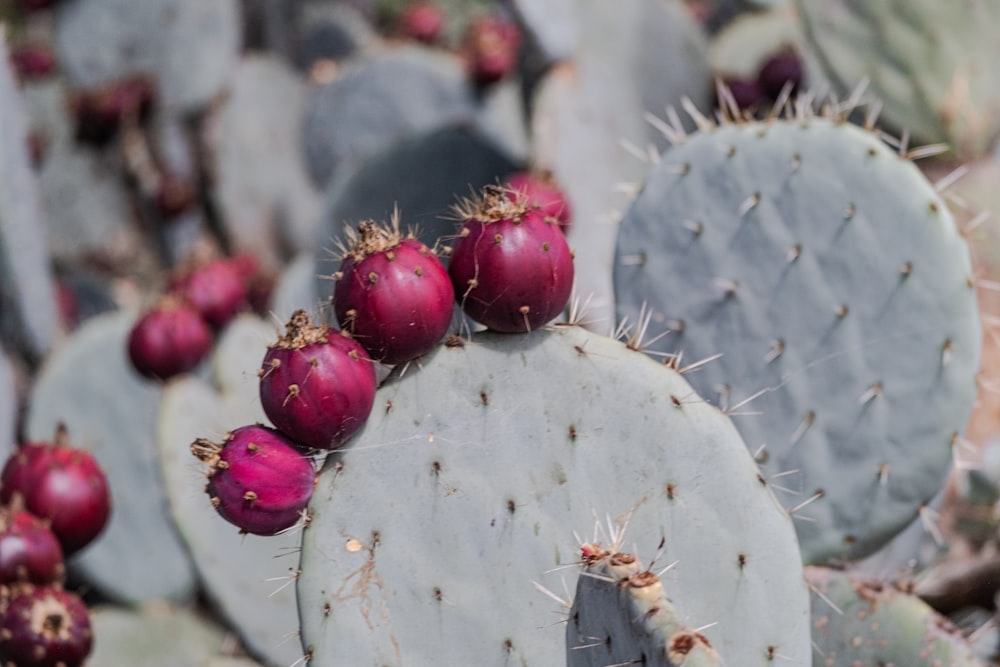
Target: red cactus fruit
{"type": "Point", "coordinates": [317, 385]}
{"type": "Point", "coordinates": [491, 45]}
{"type": "Point", "coordinates": [62, 485]}
{"type": "Point", "coordinates": [33, 61]}
{"type": "Point", "coordinates": [511, 267]}
{"type": "Point", "coordinates": [45, 626]}
{"type": "Point", "coordinates": [781, 69]}
{"type": "Point", "coordinates": [170, 339]}
{"type": "Point", "coordinates": [258, 479]}
{"type": "Point", "coordinates": [392, 294]}
{"type": "Point", "coordinates": [175, 195]}
{"type": "Point", "coordinates": [260, 281]}
{"type": "Point", "coordinates": [746, 94]}
{"type": "Point", "coordinates": [29, 550]}
{"type": "Point", "coordinates": [216, 289]}
{"type": "Point", "coordinates": [540, 189]}
{"type": "Point", "coordinates": [421, 21]}
{"type": "Point", "coordinates": [99, 111]}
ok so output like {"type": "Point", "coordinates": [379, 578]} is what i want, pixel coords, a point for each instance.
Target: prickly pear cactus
{"type": "Point", "coordinates": [621, 615]}
{"type": "Point", "coordinates": [928, 63]}
{"type": "Point", "coordinates": [629, 58]}
{"type": "Point", "coordinates": [264, 192]}
{"type": "Point", "coordinates": [406, 91]}
{"type": "Point", "coordinates": [30, 318]}
{"type": "Point", "coordinates": [89, 384]}
{"type": "Point", "coordinates": [474, 472]}
{"type": "Point", "coordinates": [248, 578]}
{"type": "Point", "coordinates": [190, 46]}
{"type": "Point", "coordinates": [833, 281]}
{"type": "Point", "coordinates": [8, 405]}
{"type": "Point", "coordinates": [150, 637]}
{"type": "Point", "coordinates": [863, 623]}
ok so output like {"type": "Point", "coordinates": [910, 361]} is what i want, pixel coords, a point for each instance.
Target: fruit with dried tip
{"type": "Point", "coordinates": [29, 550]}
{"type": "Point", "coordinates": [511, 267]}
{"type": "Point", "coordinates": [317, 384]}
{"type": "Point", "coordinates": [45, 626]}
{"type": "Point", "coordinates": [258, 479]}
{"type": "Point", "coordinates": [540, 189]}
{"type": "Point", "coordinates": [169, 339]}
{"type": "Point", "coordinates": [62, 485]}
{"type": "Point", "coordinates": [392, 294]}
{"type": "Point", "coordinates": [216, 289]}
{"type": "Point", "coordinates": [421, 21]}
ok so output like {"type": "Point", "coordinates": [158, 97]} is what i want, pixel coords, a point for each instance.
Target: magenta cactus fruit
{"type": "Point", "coordinates": [317, 385]}
{"type": "Point", "coordinates": [491, 45]}
{"type": "Point", "coordinates": [540, 189]}
{"type": "Point", "coordinates": [29, 550]}
{"type": "Point", "coordinates": [99, 111]}
{"type": "Point", "coordinates": [45, 626]}
{"type": "Point", "coordinates": [392, 294]}
{"type": "Point", "coordinates": [258, 479]}
{"type": "Point", "coordinates": [169, 339]}
{"type": "Point", "coordinates": [62, 485]}
{"type": "Point", "coordinates": [781, 69]}
{"type": "Point", "coordinates": [511, 267]}
{"type": "Point", "coordinates": [217, 290]}
{"type": "Point", "coordinates": [421, 21]}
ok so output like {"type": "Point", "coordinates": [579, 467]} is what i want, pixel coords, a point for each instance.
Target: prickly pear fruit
{"type": "Point", "coordinates": [317, 385]}
{"type": "Point", "coordinates": [258, 480]}
{"type": "Point", "coordinates": [781, 69]}
{"type": "Point", "coordinates": [99, 111]}
{"type": "Point", "coordinates": [511, 267]}
{"type": "Point", "coordinates": [170, 339]}
{"type": "Point", "coordinates": [45, 627]}
{"type": "Point", "coordinates": [491, 49]}
{"type": "Point", "coordinates": [392, 294]}
{"type": "Point", "coordinates": [422, 21]}
{"type": "Point", "coordinates": [29, 550]}
{"type": "Point", "coordinates": [541, 190]}
{"type": "Point", "coordinates": [216, 289]}
{"type": "Point", "coordinates": [61, 484]}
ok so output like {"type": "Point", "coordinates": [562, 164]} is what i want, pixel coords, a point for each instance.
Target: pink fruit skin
{"type": "Point", "coordinates": [320, 394]}
{"type": "Point", "coordinates": [262, 482]}
{"type": "Point", "coordinates": [402, 301]}
{"type": "Point", "coordinates": [33, 61]}
{"type": "Point", "coordinates": [216, 290]}
{"type": "Point", "coordinates": [491, 49]}
{"type": "Point", "coordinates": [170, 339]}
{"type": "Point", "coordinates": [422, 21]}
{"type": "Point", "coordinates": [512, 276]}
{"type": "Point", "coordinates": [45, 627]}
{"type": "Point", "coordinates": [544, 194]}
{"type": "Point", "coordinates": [29, 551]}
{"type": "Point", "coordinates": [63, 486]}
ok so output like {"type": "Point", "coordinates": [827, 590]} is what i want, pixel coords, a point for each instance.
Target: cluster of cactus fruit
{"type": "Point", "coordinates": [56, 501]}
{"type": "Point", "coordinates": [784, 393]}
{"type": "Point", "coordinates": [511, 270]}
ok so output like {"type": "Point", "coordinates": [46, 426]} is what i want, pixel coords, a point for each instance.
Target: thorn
{"type": "Point", "coordinates": [883, 474]}
{"type": "Point", "coordinates": [634, 151]}
{"type": "Point", "coordinates": [730, 410]}
{"type": "Point", "coordinates": [703, 123]}
{"type": "Point", "coordinates": [944, 183]}
{"type": "Point", "coordinates": [793, 253]}
{"type": "Point", "coordinates": [824, 598]}
{"type": "Point", "coordinates": [664, 128]}
{"type": "Point", "coordinates": [803, 426]}
{"type": "Point", "coordinates": [946, 351]}
{"type": "Point", "coordinates": [748, 204]}
{"type": "Point", "coordinates": [930, 150]}
{"type": "Point", "coordinates": [871, 118]}
{"type": "Point", "coordinates": [929, 519]}
{"type": "Point", "coordinates": [805, 503]}
{"type": "Point", "coordinates": [777, 349]}
{"type": "Point", "coordinates": [870, 393]}
{"type": "Point", "coordinates": [698, 364]}
{"type": "Point", "coordinates": [695, 228]}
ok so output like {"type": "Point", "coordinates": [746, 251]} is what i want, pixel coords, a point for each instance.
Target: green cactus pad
{"type": "Point", "coordinates": [929, 63]}
{"type": "Point", "coordinates": [629, 58]}
{"type": "Point", "coordinates": [871, 623]}
{"type": "Point", "coordinates": [30, 320]}
{"type": "Point", "coordinates": [264, 193]}
{"type": "Point", "coordinates": [89, 384]}
{"type": "Point", "coordinates": [159, 636]}
{"type": "Point", "coordinates": [190, 46]}
{"type": "Point", "coordinates": [622, 615]}
{"type": "Point", "coordinates": [8, 406]}
{"type": "Point", "coordinates": [833, 281]}
{"type": "Point", "coordinates": [378, 100]}
{"type": "Point", "coordinates": [247, 577]}
{"type": "Point", "coordinates": [476, 469]}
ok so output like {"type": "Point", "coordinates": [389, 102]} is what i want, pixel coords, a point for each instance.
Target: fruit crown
{"type": "Point", "coordinates": [493, 204]}
{"type": "Point", "coordinates": [300, 331]}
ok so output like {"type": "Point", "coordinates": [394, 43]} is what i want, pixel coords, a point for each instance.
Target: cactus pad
{"type": "Point", "coordinates": [475, 470]}
{"type": "Point", "coordinates": [864, 623]}
{"type": "Point", "coordinates": [833, 281]}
